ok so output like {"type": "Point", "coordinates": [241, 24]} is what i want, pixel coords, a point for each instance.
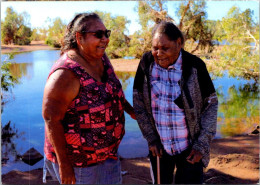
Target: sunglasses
{"type": "Point", "coordinates": [99, 33]}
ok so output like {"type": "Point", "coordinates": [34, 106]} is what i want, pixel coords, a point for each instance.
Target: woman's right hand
{"type": "Point", "coordinates": [67, 174]}
{"type": "Point", "coordinates": [156, 149]}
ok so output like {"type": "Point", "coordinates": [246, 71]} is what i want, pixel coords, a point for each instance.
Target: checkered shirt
{"type": "Point", "coordinates": [169, 118]}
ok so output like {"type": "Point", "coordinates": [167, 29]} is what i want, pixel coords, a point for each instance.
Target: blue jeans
{"type": "Point", "coordinates": [108, 172]}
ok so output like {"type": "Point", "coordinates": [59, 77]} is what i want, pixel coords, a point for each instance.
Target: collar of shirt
{"type": "Point", "coordinates": [178, 64]}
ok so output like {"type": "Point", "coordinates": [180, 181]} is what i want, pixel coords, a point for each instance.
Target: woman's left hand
{"type": "Point", "coordinates": [130, 110]}
{"type": "Point", "coordinates": [133, 116]}
{"type": "Point", "coordinates": [194, 157]}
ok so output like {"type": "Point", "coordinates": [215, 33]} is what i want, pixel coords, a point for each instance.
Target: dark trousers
{"type": "Point", "coordinates": [186, 173]}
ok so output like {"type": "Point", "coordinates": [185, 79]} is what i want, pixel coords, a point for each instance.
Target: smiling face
{"type": "Point", "coordinates": [165, 51]}
{"type": "Point", "coordinates": [91, 46]}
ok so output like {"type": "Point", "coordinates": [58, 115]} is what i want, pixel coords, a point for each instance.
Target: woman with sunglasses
{"type": "Point", "coordinates": [83, 108]}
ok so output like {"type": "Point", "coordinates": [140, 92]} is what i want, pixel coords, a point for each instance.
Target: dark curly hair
{"type": "Point", "coordinates": [79, 23]}
{"type": "Point", "coordinates": [169, 29]}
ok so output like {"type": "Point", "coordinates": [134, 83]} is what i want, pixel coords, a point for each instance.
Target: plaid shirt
{"type": "Point", "coordinates": [169, 118]}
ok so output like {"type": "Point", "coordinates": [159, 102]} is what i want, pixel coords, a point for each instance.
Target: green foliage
{"type": "Point", "coordinates": [149, 13]}
{"type": "Point", "coordinates": [240, 54]}
{"type": "Point", "coordinates": [14, 29]}
{"type": "Point", "coordinates": [56, 33]}
{"type": "Point", "coordinates": [119, 42]}
{"type": "Point", "coordinates": [23, 36]}
{"type": "Point", "coordinates": [217, 30]}
{"type": "Point", "coordinates": [193, 23]}
{"type": "Point", "coordinates": [7, 79]}
{"type": "Point", "coordinates": [140, 43]}
{"type": "Point", "coordinates": [35, 35]}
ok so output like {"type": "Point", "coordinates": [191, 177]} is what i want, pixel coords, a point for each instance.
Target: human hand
{"type": "Point", "coordinates": [67, 175]}
{"type": "Point", "coordinates": [133, 116]}
{"type": "Point", "coordinates": [156, 150]}
{"type": "Point", "coordinates": [194, 157]}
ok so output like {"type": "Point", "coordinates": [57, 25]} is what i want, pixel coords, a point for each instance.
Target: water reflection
{"type": "Point", "coordinates": [9, 151]}
{"type": "Point", "coordinates": [125, 78]}
{"type": "Point", "coordinates": [239, 110]}
{"type": "Point", "coordinates": [20, 70]}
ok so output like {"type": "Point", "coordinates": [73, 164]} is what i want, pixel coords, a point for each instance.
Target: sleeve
{"type": "Point", "coordinates": [144, 118]}
{"type": "Point", "coordinates": [208, 122]}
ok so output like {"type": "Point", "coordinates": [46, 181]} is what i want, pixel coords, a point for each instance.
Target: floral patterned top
{"type": "Point", "coordinates": [94, 122]}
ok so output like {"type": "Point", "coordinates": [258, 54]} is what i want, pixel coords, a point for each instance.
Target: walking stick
{"type": "Point", "coordinates": [158, 171]}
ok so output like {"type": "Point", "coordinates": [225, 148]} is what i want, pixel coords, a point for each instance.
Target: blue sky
{"type": "Point", "coordinates": [39, 11]}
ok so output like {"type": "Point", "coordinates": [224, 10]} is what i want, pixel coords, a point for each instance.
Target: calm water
{"type": "Point", "coordinates": [238, 109]}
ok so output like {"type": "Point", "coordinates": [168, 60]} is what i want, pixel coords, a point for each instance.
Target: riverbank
{"type": "Point", "coordinates": [234, 160]}
{"type": "Point", "coordinates": [118, 64]}
{"type": "Point", "coordinates": [35, 45]}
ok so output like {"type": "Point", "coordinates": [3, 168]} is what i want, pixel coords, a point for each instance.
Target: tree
{"type": "Point", "coordinates": [240, 53]}
{"type": "Point", "coordinates": [194, 25]}
{"type": "Point", "coordinates": [23, 36]}
{"type": "Point", "coordinates": [149, 13]}
{"type": "Point", "coordinates": [119, 41]}
{"type": "Point", "coordinates": [137, 46]}
{"type": "Point", "coordinates": [35, 35]}
{"type": "Point", "coordinates": [56, 32]}
{"type": "Point", "coordinates": [8, 80]}
{"type": "Point", "coordinates": [15, 28]}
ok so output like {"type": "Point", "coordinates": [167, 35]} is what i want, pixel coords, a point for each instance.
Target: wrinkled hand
{"type": "Point", "coordinates": [194, 157]}
{"type": "Point", "coordinates": [67, 175]}
{"type": "Point", "coordinates": [156, 150]}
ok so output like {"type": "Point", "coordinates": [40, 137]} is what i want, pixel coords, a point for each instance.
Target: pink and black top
{"type": "Point", "coordinates": [94, 122]}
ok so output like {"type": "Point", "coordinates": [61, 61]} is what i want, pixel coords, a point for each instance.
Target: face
{"type": "Point", "coordinates": [165, 51]}
{"type": "Point", "coordinates": [89, 44]}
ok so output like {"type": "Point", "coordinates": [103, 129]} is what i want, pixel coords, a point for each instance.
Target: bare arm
{"type": "Point", "coordinates": [129, 109]}
{"type": "Point", "coordinates": [61, 88]}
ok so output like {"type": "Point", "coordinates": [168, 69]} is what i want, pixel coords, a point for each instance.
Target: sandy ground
{"type": "Point", "coordinates": [234, 160]}
{"type": "Point", "coordinates": [35, 45]}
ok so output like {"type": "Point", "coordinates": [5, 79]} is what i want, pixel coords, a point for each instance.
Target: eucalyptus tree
{"type": "Point", "coordinates": [56, 30]}
{"type": "Point", "coordinates": [119, 41]}
{"type": "Point", "coordinates": [149, 12]}
{"type": "Point", "coordinates": [192, 23]}
{"type": "Point", "coordinates": [15, 28]}
{"type": "Point", "coordinates": [239, 54]}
